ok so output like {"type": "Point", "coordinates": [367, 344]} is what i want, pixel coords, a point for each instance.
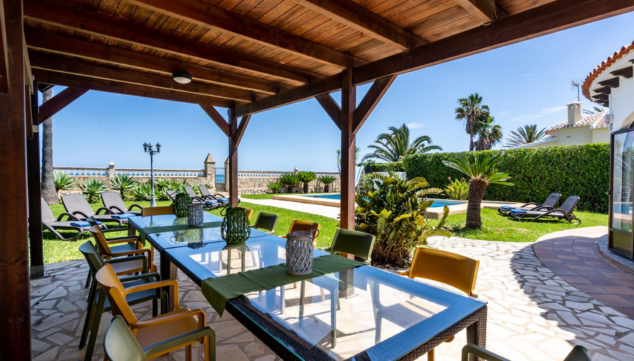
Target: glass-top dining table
{"type": "Point", "coordinates": [362, 313]}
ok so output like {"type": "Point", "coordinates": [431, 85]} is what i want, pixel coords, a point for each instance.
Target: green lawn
{"type": "Point", "coordinates": [496, 227]}
{"type": "Point", "coordinates": [266, 196]}
{"type": "Point", "coordinates": [500, 228]}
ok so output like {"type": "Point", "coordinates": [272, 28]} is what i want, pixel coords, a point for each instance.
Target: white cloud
{"type": "Point", "coordinates": [416, 125]}
{"type": "Point", "coordinates": [543, 112]}
{"type": "Point", "coordinates": [551, 110]}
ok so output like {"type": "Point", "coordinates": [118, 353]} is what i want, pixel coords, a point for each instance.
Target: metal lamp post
{"type": "Point", "coordinates": [148, 149]}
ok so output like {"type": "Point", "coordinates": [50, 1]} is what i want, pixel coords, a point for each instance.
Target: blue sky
{"type": "Point", "coordinates": [525, 83]}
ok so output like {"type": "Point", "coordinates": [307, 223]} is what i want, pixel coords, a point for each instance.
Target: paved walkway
{"type": "Point", "coordinates": [575, 257]}
{"type": "Point", "coordinates": [326, 211]}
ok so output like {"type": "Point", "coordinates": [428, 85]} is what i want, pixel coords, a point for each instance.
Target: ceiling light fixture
{"type": "Point", "coordinates": [181, 76]}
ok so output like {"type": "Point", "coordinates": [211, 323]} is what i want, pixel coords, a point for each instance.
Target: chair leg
{"type": "Point", "coordinates": [89, 315]}
{"type": "Point", "coordinates": [188, 353]}
{"type": "Point", "coordinates": [96, 319]}
{"type": "Point", "coordinates": [88, 278]}
{"type": "Point", "coordinates": [154, 307]}
{"type": "Point", "coordinates": [430, 355]}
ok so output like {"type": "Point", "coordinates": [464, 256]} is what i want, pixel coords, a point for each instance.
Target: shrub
{"type": "Point", "coordinates": [371, 167]}
{"type": "Point", "coordinates": [582, 170]}
{"type": "Point", "coordinates": [142, 192]}
{"type": "Point", "coordinates": [92, 188]}
{"type": "Point", "coordinates": [457, 189]}
{"type": "Point", "coordinates": [289, 180]}
{"type": "Point", "coordinates": [275, 186]}
{"type": "Point", "coordinates": [123, 183]}
{"type": "Point", "coordinates": [394, 210]}
{"type": "Point", "coordinates": [63, 181]}
{"type": "Point", "coordinates": [306, 177]}
{"type": "Point", "coordinates": [327, 180]}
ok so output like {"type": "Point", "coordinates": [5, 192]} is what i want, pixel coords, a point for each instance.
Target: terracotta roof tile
{"type": "Point", "coordinates": [604, 65]}
{"type": "Point", "coordinates": [597, 120]}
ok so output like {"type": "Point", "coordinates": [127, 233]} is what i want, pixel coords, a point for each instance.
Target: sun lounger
{"type": "Point", "coordinates": [53, 225]}
{"type": "Point", "coordinates": [548, 205]}
{"type": "Point", "coordinates": [113, 202]}
{"type": "Point", "coordinates": [565, 211]}
{"type": "Point", "coordinates": [79, 207]}
{"type": "Point", "coordinates": [206, 194]}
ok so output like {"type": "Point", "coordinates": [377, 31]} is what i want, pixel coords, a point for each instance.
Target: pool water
{"type": "Point", "coordinates": [434, 205]}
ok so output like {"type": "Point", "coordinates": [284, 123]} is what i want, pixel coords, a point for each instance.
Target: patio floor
{"type": "Point", "coordinates": [534, 314]}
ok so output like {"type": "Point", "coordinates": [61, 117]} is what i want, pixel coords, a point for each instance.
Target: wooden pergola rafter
{"type": "Point", "coordinates": [245, 56]}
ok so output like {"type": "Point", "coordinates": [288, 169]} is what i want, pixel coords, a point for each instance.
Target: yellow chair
{"type": "Point", "coordinates": [305, 226]}
{"type": "Point", "coordinates": [446, 267]}
{"type": "Point", "coordinates": [156, 211]}
{"type": "Point", "coordinates": [156, 330]}
{"type": "Point", "coordinates": [249, 213]}
{"type": "Point", "coordinates": [109, 253]}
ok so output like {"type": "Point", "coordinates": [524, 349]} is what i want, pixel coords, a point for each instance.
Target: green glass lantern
{"type": "Point", "coordinates": [236, 228]}
{"type": "Point", "coordinates": [180, 205]}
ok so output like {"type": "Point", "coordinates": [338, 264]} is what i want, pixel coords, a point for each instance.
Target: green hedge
{"type": "Point", "coordinates": [582, 170]}
{"type": "Point", "coordinates": [370, 167]}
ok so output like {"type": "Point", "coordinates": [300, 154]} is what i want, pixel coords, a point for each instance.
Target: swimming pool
{"type": "Point", "coordinates": [437, 203]}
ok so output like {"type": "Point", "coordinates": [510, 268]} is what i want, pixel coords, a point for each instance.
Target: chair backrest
{"type": "Point", "coordinates": [578, 353]}
{"type": "Point", "coordinates": [204, 191]}
{"type": "Point", "coordinates": [156, 211]}
{"type": "Point", "coordinates": [249, 212]}
{"type": "Point", "coordinates": [113, 199]}
{"type": "Point", "coordinates": [172, 194]}
{"type": "Point", "coordinates": [357, 243]}
{"type": "Point", "coordinates": [266, 221]}
{"type": "Point", "coordinates": [95, 262]}
{"type": "Point", "coordinates": [110, 283]}
{"type": "Point", "coordinates": [306, 226]}
{"type": "Point", "coordinates": [120, 344]}
{"type": "Point", "coordinates": [77, 203]}
{"type": "Point", "coordinates": [47, 214]}
{"type": "Point", "coordinates": [552, 199]}
{"type": "Point", "coordinates": [446, 267]}
{"type": "Point", "coordinates": [569, 204]}
{"type": "Point", "coordinates": [190, 191]}
{"type": "Point", "coordinates": [102, 243]}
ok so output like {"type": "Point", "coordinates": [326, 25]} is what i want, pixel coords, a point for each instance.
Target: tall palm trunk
{"type": "Point", "coordinates": [476, 193]}
{"type": "Point", "coordinates": [48, 184]}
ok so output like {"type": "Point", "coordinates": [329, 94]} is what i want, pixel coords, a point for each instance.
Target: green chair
{"type": "Point", "coordinates": [578, 353]}
{"type": "Point", "coordinates": [360, 244]}
{"type": "Point", "coordinates": [266, 221]}
{"type": "Point", "coordinates": [120, 345]}
{"type": "Point", "coordinates": [121, 266]}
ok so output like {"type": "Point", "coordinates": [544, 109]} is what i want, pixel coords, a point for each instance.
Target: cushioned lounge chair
{"type": "Point", "coordinates": [548, 205]}
{"type": "Point", "coordinates": [206, 194]}
{"type": "Point", "coordinates": [114, 203]}
{"type": "Point", "coordinates": [207, 203]}
{"type": "Point", "coordinates": [49, 221]}
{"type": "Point", "coordinates": [79, 207]}
{"type": "Point", "coordinates": [565, 211]}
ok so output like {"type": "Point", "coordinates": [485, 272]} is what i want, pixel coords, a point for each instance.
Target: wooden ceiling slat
{"type": "Point", "coordinates": [41, 40]}
{"type": "Point", "coordinates": [485, 10]}
{"type": "Point", "coordinates": [70, 80]}
{"type": "Point", "coordinates": [126, 31]}
{"type": "Point", "coordinates": [364, 20]}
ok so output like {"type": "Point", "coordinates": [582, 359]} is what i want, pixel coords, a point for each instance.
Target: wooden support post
{"type": "Point", "coordinates": [33, 175]}
{"type": "Point", "coordinates": [232, 172]}
{"type": "Point", "coordinates": [348, 146]}
{"type": "Point", "coordinates": [15, 315]}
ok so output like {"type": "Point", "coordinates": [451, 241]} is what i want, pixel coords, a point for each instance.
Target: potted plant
{"type": "Point", "coordinates": [306, 177]}
{"type": "Point", "coordinates": [275, 187]}
{"type": "Point", "coordinates": [289, 180]}
{"type": "Point", "coordinates": [327, 180]}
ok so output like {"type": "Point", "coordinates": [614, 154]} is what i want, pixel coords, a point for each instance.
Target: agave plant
{"type": "Point", "coordinates": [457, 189]}
{"type": "Point", "coordinates": [482, 170]}
{"type": "Point", "coordinates": [275, 186]}
{"type": "Point", "coordinates": [92, 188]}
{"type": "Point", "coordinates": [306, 177]}
{"type": "Point", "coordinates": [327, 180]}
{"type": "Point", "coordinates": [123, 183]}
{"type": "Point", "coordinates": [142, 192]}
{"type": "Point", "coordinates": [394, 210]}
{"type": "Point", "coordinates": [289, 180]}
{"type": "Point", "coordinates": [63, 182]}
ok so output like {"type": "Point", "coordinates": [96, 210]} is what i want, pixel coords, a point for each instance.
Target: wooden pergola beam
{"type": "Point", "coordinates": [485, 10]}
{"type": "Point", "coordinates": [4, 53]}
{"type": "Point", "coordinates": [76, 81]}
{"type": "Point", "coordinates": [100, 25]}
{"type": "Point", "coordinates": [331, 107]}
{"type": "Point", "coordinates": [364, 20]}
{"type": "Point", "coordinates": [90, 69]}
{"type": "Point", "coordinates": [217, 118]}
{"type": "Point", "coordinates": [204, 14]}
{"type": "Point", "coordinates": [546, 19]}
{"type": "Point", "coordinates": [244, 122]}
{"type": "Point", "coordinates": [370, 101]}
{"type": "Point", "coordinates": [60, 44]}
{"type": "Point", "coordinates": [59, 102]}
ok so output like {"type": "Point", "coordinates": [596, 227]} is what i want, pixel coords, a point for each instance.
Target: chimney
{"type": "Point", "coordinates": [574, 112]}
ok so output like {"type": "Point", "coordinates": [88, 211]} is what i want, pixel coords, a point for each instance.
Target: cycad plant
{"type": "Point", "coordinates": [92, 188]}
{"type": "Point", "coordinates": [457, 189]}
{"type": "Point", "coordinates": [327, 180]}
{"type": "Point", "coordinates": [123, 183]}
{"type": "Point", "coordinates": [289, 180]}
{"type": "Point", "coordinates": [142, 192]}
{"type": "Point", "coordinates": [63, 181]}
{"type": "Point", "coordinates": [306, 177]}
{"type": "Point", "coordinates": [274, 186]}
{"type": "Point", "coordinates": [482, 170]}
{"type": "Point", "coordinates": [394, 210]}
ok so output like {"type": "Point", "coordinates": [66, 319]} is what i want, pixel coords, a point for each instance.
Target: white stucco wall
{"type": "Point", "coordinates": [601, 135]}
{"type": "Point", "coordinates": [571, 136]}
{"type": "Point", "coordinates": [621, 98]}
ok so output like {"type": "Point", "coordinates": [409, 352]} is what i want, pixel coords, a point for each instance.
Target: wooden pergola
{"type": "Point", "coordinates": [248, 56]}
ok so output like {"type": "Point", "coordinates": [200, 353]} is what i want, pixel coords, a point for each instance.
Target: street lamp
{"type": "Point", "coordinates": [147, 147]}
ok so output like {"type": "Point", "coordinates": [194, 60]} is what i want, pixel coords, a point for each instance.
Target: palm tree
{"type": "Point", "coordinates": [595, 111]}
{"type": "Point", "coordinates": [394, 146]}
{"type": "Point", "coordinates": [49, 193]}
{"type": "Point", "coordinates": [482, 170]}
{"type": "Point", "coordinates": [488, 133]}
{"type": "Point", "coordinates": [525, 135]}
{"type": "Point", "coordinates": [471, 109]}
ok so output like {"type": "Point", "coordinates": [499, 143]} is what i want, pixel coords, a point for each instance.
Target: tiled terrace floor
{"type": "Point", "coordinates": [533, 313]}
